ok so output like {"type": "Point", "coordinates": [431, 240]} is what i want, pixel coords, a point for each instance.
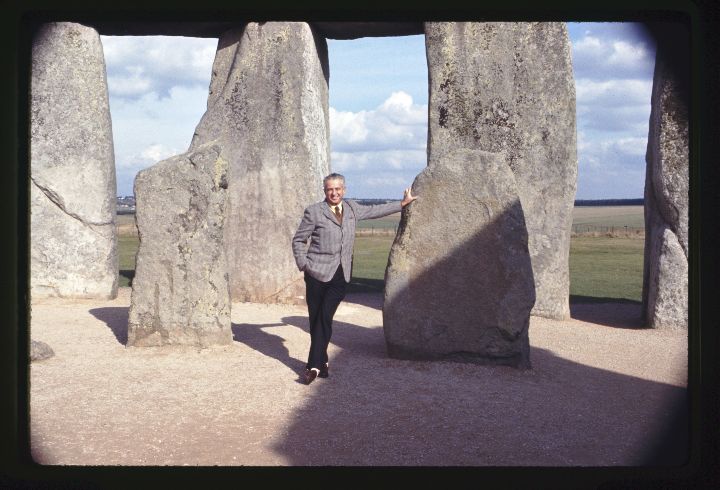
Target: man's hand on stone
{"type": "Point", "coordinates": [407, 197]}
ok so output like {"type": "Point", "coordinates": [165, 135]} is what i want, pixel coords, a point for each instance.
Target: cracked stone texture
{"type": "Point", "coordinates": [73, 246]}
{"type": "Point", "coordinates": [665, 277]}
{"type": "Point", "coordinates": [180, 289]}
{"type": "Point", "coordinates": [459, 283]}
{"type": "Point", "coordinates": [268, 110]}
{"type": "Point", "coordinates": [508, 88]}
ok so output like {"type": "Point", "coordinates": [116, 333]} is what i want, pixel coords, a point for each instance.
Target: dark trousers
{"type": "Point", "coordinates": [323, 299]}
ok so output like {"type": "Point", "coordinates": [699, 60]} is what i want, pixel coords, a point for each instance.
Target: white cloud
{"type": "Point", "coordinates": [158, 152]}
{"type": "Point", "coordinates": [348, 128]}
{"type": "Point", "coordinates": [131, 85]}
{"type": "Point", "coordinates": [627, 55]}
{"type": "Point", "coordinates": [380, 151]}
{"type": "Point", "coordinates": [613, 92]}
{"type": "Point", "coordinates": [378, 160]}
{"type": "Point", "coordinates": [622, 106]}
{"type": "Point", "coordinates": [397, 123]}
{"type": "Point", "coordinates": [615, 55]}
{"type": "Point", "coordinates": [139, 64]}
{"type": "Point", "coordinates": [610, 167]}
{"type": "Point", "coordinates": [588, 46]}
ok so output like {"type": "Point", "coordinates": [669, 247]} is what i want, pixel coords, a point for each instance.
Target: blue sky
{"type": "Point", "coordinates": [378, 106]}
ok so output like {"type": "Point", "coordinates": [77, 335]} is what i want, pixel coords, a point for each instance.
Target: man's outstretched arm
{"type": "Point", "coordinates": [380, 210]}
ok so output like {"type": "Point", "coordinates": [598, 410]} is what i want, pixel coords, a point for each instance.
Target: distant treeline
{"type": "Point", "coordinates": [609, 202]}
{"type": "Point", "coordinates": [578, 202]}
{"type": "Point", "coordinates": [373, 201]}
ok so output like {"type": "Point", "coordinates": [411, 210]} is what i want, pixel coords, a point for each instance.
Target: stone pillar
{"type": "Point", "coordinates": [665, 273]}
{"type": "Point", "coordinates": [180, 289]}
{"type": "Point", "coordinates": [268, 110]}
{"type": "Point", "coordinates": [459, 283]}
{"type": "Point", "coordinates": [508, 88]}
{"type": "Point", "coordinates": [498, 92]}
{"type": "Point", "coordinates": [73, 245]}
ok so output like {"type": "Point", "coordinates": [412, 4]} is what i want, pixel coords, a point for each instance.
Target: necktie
{"type": "Point", "coordinates": [338, 214]}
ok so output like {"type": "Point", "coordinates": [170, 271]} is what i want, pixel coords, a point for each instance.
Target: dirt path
{"type": "Point", "coordinates": [601, 393]}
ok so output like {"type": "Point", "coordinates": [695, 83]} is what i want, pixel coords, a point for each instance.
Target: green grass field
{"type": "Point", "coordinates": [617, 216]}
{"type": "Point", "coordinates": [601, 268]}
{"type": "Point", "coordinates": [385, 222]}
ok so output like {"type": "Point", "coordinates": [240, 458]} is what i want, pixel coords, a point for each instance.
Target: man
{"type": "Point", "coordinates": [327, 262]}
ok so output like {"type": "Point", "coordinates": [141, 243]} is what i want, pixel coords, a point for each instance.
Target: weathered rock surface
{"type": "Point", "coordinates": [180, 290]}
{"type": "Point", "coordinates": [73, 247]}
{"type": "Point", "coordinates": [665, 275]}
{"type": "Point", "coordinates": [39, 351]}
{"type": "Point", "coordinates": [459, 283]}
{"type": "Point", "coordinates": [508, 87]}
{"type": "Point", "coordinates": [268, 110]}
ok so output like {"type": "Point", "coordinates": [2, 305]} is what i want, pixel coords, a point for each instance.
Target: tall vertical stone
{"type": "Point", "coordinates": [268, 110]}
{"type": "Point", "coordinates": [665, 273]}
{"type": "Point", "coordinates": [180, 289]}
{"type": "Point", "coordinates": [73, 246]}
{"type": "Point", "coordinates": [508, 88]}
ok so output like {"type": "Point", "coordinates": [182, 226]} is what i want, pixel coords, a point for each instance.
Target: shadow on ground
{"type": "Point", "coordinates": [378, 411]}
{"type": "Point", "coordinates": [116, 318]}
{"type": "Point", "coordinates": [273, 346]}
{"type": "Point", "coordinates": [129, 274]}
{"type": "Point", "coordinates": [611, 313]}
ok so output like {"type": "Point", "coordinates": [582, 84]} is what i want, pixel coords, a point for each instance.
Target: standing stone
{"type": "Point", "coordinates": [180, 289]}
{"type": "Point", "coordinates": [268, 110]}
{"type": "Point", "coordinates": [459, 283]}
{"type": "Point", "coordinates": [508, 87]}
{"type": "Point", "coordinates": [73, 246]}
{"type": "Point", "coordinates": [665, 274]}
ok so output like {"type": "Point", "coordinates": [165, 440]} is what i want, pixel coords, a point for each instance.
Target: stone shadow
{"type": "Point", "coordinates": [378, 411]}
{"type": "Point", "coordinates": [610, 313]}
{"type": "Point", "coordinates": [366, 285]}
{"type": "Point", "coordinates": [369, 299]}
{"type": "Point", "coordinates": [116, 318]}
{"type": "Point", "coordinates": [253, 335]}
{"type": "Point", "coordinates": [129, 274]}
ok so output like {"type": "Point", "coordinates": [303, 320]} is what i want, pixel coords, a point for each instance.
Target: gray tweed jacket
{"type": "Point", "coordinates": [330, 243]}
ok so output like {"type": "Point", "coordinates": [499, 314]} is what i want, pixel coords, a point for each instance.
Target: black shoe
{"type": "Point", "coordinates": [324, 373]}
{"type": "Point", "coordinates": [310, 375]}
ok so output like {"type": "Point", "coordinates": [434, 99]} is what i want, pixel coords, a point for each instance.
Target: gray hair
{"type": "Point", "coordinates": [334, 176]}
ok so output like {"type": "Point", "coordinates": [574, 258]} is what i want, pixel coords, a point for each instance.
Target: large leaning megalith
{"type": "Point", "coordinates": [665, 274]}
{"type": "Point", "coordinates": [73, 245]}
{"type": "Point", "coordinates": [268, 110]}
{"type": "Point", "coordinates": [501, 147]}
{"type": "Point", "coordinates": [180, 289]}
{"type": "Point", "coordinates": [508, 87]}
{"type": "Point", "coordinates": [459, 283]}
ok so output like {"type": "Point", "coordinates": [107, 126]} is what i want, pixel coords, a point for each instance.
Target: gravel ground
{"type": "Point", "coordinates": [601, 392]}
